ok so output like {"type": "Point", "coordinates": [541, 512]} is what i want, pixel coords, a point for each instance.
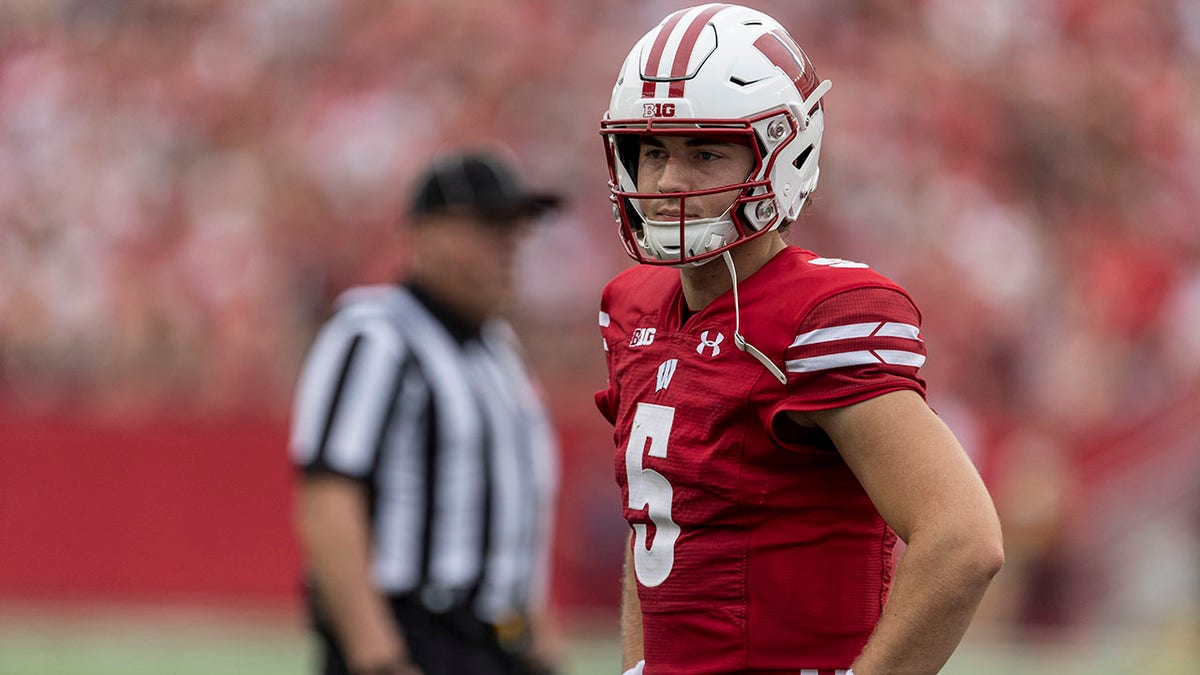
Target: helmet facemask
{"type": "Point", "coordinates": [689, 241]}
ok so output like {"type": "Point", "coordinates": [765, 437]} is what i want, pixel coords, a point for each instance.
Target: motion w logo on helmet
{"type": "Point", "coordinates": [782, 50]}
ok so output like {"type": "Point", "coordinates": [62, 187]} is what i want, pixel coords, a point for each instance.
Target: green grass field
{"type": "Point", "coordinates": [183, 641]}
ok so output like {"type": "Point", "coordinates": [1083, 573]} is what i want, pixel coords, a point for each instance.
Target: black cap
{"type": "Point", "coordinates": [481, 183]}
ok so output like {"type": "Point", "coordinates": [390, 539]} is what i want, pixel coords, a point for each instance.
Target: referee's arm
{"type": "Point", "coordinates": [343, 392]}
{"type": "Point", "coordinates": [332, 522]}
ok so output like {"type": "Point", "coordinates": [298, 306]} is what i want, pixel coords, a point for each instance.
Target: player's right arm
{"type": "Point", "coordinates": [631, 614]}
{"type": "Point", "coordinates": [854, 369]}
{"type": "Point", "coordinates": [929, 492]}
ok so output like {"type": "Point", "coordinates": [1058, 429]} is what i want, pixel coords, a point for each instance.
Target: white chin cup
{"type": "Point", "coordinates": [660, 238]}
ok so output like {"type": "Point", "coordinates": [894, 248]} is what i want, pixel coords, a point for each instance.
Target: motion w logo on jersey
{"type": "Point", "coordinates": [666, 370]}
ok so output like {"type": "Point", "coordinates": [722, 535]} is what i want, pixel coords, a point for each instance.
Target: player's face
{"type": "Point", "coordinates": [681, 163]}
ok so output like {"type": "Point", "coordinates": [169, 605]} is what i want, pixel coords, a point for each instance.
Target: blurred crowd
{"type": "Point", "coordinates": [185, 187]}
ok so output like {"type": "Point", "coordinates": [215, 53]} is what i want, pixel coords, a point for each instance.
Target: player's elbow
{"type": "Point", "coordinates": [981, 549]}
{"type": "Point", "coordinates": [971, 549]}
{"type": "Point", "coordinates": [985, 557]}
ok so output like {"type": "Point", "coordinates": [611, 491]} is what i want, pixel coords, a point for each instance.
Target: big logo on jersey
{"type": "Point", "coordinates": [642, 337]}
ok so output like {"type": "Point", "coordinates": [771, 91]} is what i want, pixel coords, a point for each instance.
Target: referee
{"type": "Point", "coordinates": [428, 465]}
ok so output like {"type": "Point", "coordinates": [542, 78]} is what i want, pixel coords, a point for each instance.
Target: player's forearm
{"type": "Point", "coordinates": [631, 616]}
{"type": "Point", "coordinates": [336, 543]}
{"type": "Point", "coordinates": [939, 585]}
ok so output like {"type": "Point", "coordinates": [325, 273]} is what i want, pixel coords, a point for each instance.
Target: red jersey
{"type": "Point", "coordinates": [755, 547]}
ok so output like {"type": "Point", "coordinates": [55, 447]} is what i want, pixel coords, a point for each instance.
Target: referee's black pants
{"type": "Point", "coordinates": [451, 643]}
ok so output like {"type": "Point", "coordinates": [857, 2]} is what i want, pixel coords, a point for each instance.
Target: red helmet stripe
{"type": "Point", "coordinates": [684, 54]}
{"type": "Point", "coordinates": [656, 52]}
{"type": "Point", "coordinates": [783, 51]}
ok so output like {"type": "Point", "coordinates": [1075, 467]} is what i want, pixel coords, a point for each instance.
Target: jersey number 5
{"type": "Point", "coordinates": [650, 490]}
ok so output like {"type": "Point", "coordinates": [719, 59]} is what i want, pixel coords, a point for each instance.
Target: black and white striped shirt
{"type": "Point", "coordinates": [444, 428]}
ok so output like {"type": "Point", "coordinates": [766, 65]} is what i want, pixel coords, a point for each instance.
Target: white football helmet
{"type": "Point", "coordinates": [715, 70]}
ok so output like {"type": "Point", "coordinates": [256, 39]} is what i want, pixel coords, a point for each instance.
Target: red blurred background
{"type": "Point", "coordinates": [186, 186]}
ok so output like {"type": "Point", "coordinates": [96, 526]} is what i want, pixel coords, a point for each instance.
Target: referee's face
{"type": "Point", "coordinates": [468, 261]}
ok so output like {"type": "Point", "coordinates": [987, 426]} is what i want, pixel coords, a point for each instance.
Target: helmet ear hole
{"type": "Point", "coordinates": [803, 157]}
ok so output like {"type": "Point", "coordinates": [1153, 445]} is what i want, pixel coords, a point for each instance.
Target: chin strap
{"type": "Point", "coordinates": [737, 326]}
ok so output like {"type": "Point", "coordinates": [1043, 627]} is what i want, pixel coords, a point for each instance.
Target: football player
{"type": "Point", "coordinates": [773, 439]}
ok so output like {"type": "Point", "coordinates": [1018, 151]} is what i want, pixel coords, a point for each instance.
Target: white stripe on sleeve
{"type": "Point", "coordinates": [898, 357]}
{"type": "Point", "coordinates": [316, 389]}
{"type": "Point", "coordinates": [366, 396]}
{"type": "Point", "coordinates": [853, 330]}
{"type": "Point", "coordinates": [900, 330]}
{"type": "Point", "coordinates": [858, 330]}
{"type": "Point", "coordinates": [864, 357]}
{"type": "Point", "coordinates": [830, 361]}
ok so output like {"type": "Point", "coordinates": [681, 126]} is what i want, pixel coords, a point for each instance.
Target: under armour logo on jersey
{"type": "Point", "coordinates": [642, 337]}
{"type": "Point", "coordinates": [666, 370]}
{"type": "Point", "coordinates": [714, 343]}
